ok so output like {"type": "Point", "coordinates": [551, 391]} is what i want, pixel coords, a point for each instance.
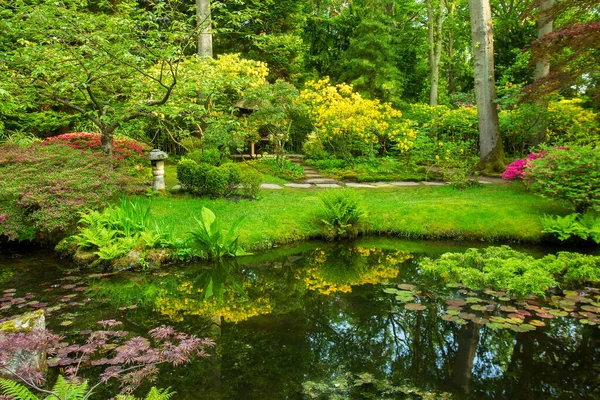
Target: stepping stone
{"type": "Point", "coordinates": [328, 185]}
{"type": "Point", "coordinates": [298, 185]}
{"type": "Point", "coordinates": [404, 183]}
{"type": "Point", "coordinates": [176, 188]}
{"type": "Point", "coordinates": [270, 186]}
{"type": "Point", "coordinates": [312, 176]}
{"type": "Point", "coordinates": [321, 180]}
{"type": "Point", "coordinates": [434, 183]}
{"type": "Point", "coordinates": [359, 185]}
{"type": "Point", "coordinates": [381, 184]}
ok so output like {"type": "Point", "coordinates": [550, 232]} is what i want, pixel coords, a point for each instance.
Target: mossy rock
{"type": "Point", "coordinates": [159, 257]}
{"type": "Point", "coordinates": [67, 247]}
{"type": "Point", "coordinates": [25, 322]}
{"type": "Point", "coordinates": [84, 258]}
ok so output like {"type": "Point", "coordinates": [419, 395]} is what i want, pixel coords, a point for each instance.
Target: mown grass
{"type": "Point", "coordinates": [492, 213]}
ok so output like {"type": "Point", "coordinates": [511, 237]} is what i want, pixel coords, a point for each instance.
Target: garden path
{"type": "Point", "coordinates": [312, 179]}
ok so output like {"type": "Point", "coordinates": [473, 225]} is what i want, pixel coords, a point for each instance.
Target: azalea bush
{"type": "Point", "coordinates": [571, 174]}
{"type": "Point", "coordinates": [124, 149]}
{"type": "Point", "coordinates": [516, 169]}
{"type": "Point", "coordinates": [349, 125]}
{"type": "Point", "coordinates": [44, 187]}
{"type": "Point", "coordinates": [570, 123]}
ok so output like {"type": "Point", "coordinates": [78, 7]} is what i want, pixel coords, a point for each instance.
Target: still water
{"type": "Point", "coordinates": [325, 320]}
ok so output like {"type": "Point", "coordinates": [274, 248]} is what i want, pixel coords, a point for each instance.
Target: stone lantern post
{"type": "Point", "coordinates": [157, 158]}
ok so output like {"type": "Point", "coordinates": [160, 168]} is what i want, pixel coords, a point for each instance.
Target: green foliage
{"type": "Point", "coordinates": [250, 181]}
{"type": "Point", "coordinates": [117, 230]}
{"type": "Point", "coordinates": [502, 268]}
{"type": "Point", "coordinates": [153, 394]}
{"type": "Point", "coordinates": [211, 240]}
{"type": "Point", "coordinates": [586, 226]}
{"type": "Point", "coordinates": [62, 390]}
{"type": "Point", "coordinates": [208, 156]}
{"type": "Point", "coordinates": [571, 174]}
{"type": "Point", "coordinates": [16, 390]}
{"type": "Point", "coordinates": [48, 185]}
{"type": "Point", "coordinates": [313, 148]}
{"type": "Point", "coordinates": [341, 212]}
{"type": "Point", "coordinates": [205, 179]}
{"type": "Point", "coordinates": [282, 168]}
{"type": "Point", "coordinates": [569, 123]}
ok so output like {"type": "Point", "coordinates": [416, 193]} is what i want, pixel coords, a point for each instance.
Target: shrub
{"type": "Point", "coordinates": [313, 148]}
{"type": "Point", "coordinates": [124, 149]}
{"type": "Point", "coordinates": [571, 174]}
{"type": "Point", "coordinates": [570, 123]}
{"type": "Point", "coordinates": [516, 169]}
{"type": "Point", "coordinates": [208, 156]}
{"type": "Point", "coordinates": [250, 182]}
{"type": "Point", "coordinates": [201, 178]}
{"type": "Point", "coordinates": [502, 268]}
{"type": "Point", "coordinates": [45, 185]}
{"type": "Point", "coordinates": [341, 212]}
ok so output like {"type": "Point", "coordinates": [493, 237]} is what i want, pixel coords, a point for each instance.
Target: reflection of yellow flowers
{"type": "Point", "coordinates": [385, 268]}
{"type": "Point", "coordinates": [233, 308]}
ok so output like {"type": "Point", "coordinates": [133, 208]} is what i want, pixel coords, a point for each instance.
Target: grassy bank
{"type": "Point", "coordinates": [492, 213]}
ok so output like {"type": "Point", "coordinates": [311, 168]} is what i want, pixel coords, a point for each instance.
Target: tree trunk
{"type": "Point", "coordinates": [468, 340]}
{"type": "Point", "coordinates": [542, 68]}
{"type": "Point", "coordinates": [451, 7]}
{"type": "Point", "coordinates": [205, 48]}
{"type": "Point", "coordinates": [435, 22]}
{"type": "Point", "coordinates": [491, 153]}
{"type": "Point", "coordinates": [106, 139]}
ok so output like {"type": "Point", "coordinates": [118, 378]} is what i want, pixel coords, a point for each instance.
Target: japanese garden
{"type": "Point", "coordinates": [299, 199]}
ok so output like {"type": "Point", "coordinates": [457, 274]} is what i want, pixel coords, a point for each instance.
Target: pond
{"type": "Point", "coordinates": [328, 320]}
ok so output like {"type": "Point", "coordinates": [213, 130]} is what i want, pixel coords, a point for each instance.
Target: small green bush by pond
{"type": "Point", "coordinates": [341, 212]}
{"type": "Point", "coordinates": [221, 181]}
{"type": "Point", "coordinates": [502, 268]}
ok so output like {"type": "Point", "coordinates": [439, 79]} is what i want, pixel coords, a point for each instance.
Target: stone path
{"type": "Point", "coordinates": [312, 179]}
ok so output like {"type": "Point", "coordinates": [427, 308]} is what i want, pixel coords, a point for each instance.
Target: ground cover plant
{"type": "Point", "coordinates": [45, 185]}
{"type": "Point", "coordinates": [502, 268]}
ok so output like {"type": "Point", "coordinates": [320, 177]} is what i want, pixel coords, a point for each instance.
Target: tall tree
{"type": "Point", "coordinates": [435, 22]}
{"type": "Point", "coordinates": [491, 152]}
{"type": "Point", "coordinates": [542, 65]}
{"type": "Point", "coordinates": [204, 21]}
{"type": "Point", "coordinates": [109, 67]}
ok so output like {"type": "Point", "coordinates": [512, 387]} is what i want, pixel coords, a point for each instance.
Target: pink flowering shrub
{"type": "Point", "coordinates": [43, 188]}
{"type": "Point", "coordinates": [124, 149]}
{"type": "Point", "coordinates": [516, 169]}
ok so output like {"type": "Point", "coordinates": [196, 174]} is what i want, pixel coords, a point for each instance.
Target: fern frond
{"type": "Point", "coordinates": [17, 390]}
{"type": "Point", "coordinates": [159, 394]}
{"type": "Point", "coordinates": [69, 390]}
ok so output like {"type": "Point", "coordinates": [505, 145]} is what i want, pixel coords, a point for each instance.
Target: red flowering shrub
{"type": "Point", "coordinates": [43, 188]}
{"type": "Point", "coordinates": [124, 149]}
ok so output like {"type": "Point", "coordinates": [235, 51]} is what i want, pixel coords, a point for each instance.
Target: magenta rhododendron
{"type": "Point", "coordinates": [123, 148]}
{"type": "Point", "coordinates": [516, 169]}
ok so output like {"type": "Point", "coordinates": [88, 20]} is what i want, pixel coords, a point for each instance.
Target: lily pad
{"type": "Point", "coordinates": [558, 313]}
{"type": "Point", "coordinates": [508, 309]}
{"type": "Point", "coordinates": [591, 309]}
{"type": "Point", "coordinates": [406, 286]}
{"type": "Point", "coordinates": [415, 307]}
{"type": "Point", "coordinates": [447, 317]}
{"type": "Point", "coordinates": [474, 300]}
{"type": "Point", "coordinates": [537, 322]}
{"type": "Point", "coordinates": [467, 316]}
{"type": "Point", "coordinates": [453, 312]}
{"type": "Point", "coordinates": [545, 315]}
{"type": "Point", "coordinates": [456, 302]}
{"type": "Point", "coordinates": [516, 315]}
{"type": "Point", "coordinates": [478, 307]}
{"type": "Point", "coordinates": [390, 291]}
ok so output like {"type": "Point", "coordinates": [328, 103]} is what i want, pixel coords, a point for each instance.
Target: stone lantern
{"type": "Point", "coordinates": [157, 158]}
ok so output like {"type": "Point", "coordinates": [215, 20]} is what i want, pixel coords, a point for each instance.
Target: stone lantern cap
{"type": "Point", "coordinates": [157, 155]}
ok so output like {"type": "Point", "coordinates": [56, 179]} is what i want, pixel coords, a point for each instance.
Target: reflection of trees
{"type": "Point", "coordinates": [314, 331]}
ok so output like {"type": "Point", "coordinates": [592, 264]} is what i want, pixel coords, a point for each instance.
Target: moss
{"type": "Point", "coordinates": [84, 257]}
{"type": "Point", "coordinates": [25, 322]}
{"type": "Point", "coordinates": [67, 247]}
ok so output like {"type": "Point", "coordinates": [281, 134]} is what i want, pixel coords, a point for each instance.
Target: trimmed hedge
{"type": "Point", "coordinates": [225, 180]}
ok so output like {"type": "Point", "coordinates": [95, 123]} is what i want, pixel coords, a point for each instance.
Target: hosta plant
{"type": "Point", "coordinates": [214, 242]}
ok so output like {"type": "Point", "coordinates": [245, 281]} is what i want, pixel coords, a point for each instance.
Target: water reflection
{"type": "Point", "coordinates": [321, 316]}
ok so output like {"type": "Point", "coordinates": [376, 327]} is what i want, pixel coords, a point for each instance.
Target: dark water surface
{"type": "Point", "coordinates": [317, 318]}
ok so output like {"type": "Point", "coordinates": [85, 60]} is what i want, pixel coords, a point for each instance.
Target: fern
{"type": "Point", "coordinates": [16, 390]}
{"type": "Point", "coordinates": [67, 390]}
{"type": "Point", "coordinates": [153, 394]}
{"type": "Point", "coordinates": [563, 227]}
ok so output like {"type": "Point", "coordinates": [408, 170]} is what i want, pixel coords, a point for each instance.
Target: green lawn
{"type": "Point", "coordinates": [490, 213]}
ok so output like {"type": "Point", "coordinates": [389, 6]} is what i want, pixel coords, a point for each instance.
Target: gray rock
{"type": "Point", "coordinates": [298, 185]}
{"type": "Point", "coordinates": [404, 183]}
{"type": "Point", "coordinates": [359, 185]}
{"type": "Point", "coordinates": [321, 180]}
{"type": "Point", "coordinates": [270, 186]}
{"type": "Point", "coordinates": [328, 185]}
{"type": "Point", "coordinates": [434, 183]}
{"type": "Point", "coordinates": [35, 360]}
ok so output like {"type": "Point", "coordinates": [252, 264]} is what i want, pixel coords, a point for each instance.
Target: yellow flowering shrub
{"type": "Point", "coordinates": [569, 122]}
{"type": "Point", "coordinates": [349, 124]}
